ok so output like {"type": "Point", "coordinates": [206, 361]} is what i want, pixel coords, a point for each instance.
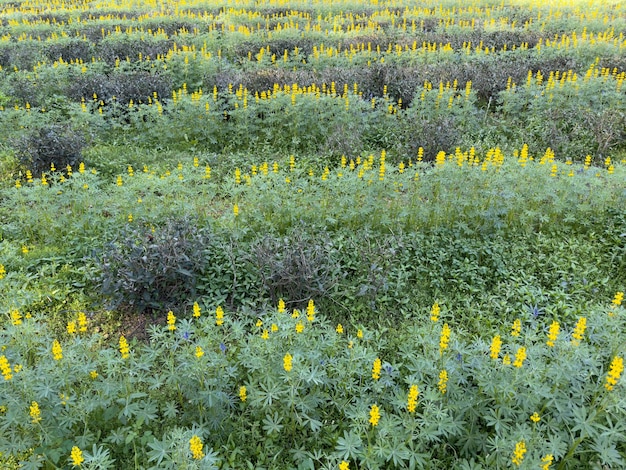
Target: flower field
{"type": "Point", "coordinates": [312, 234]}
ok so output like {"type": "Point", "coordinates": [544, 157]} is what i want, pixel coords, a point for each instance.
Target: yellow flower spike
{"type": "Point", "coordinates": [299, 327]}
{"type": "Point", "coordinates": [196, 446]}
{"type": "Point", "coordinates": [296, 313]}
{"type": "Point", "coordinates": [617, 300]}
{"type": "Point", "coordinates": [266, 334]}
{"type": "Point", "coordinates": [518, 453]}
{"type": "Point", "coordinates": [171, 321]}
{"type": "Point", "coordinates": [579, 331]}
{"type": "Point", "coordinates": [553, 333]}
{"type": "Point", "coordinates": [236, 210]}
{"type": "Point", "coordinates": [5, 368]}
{"type": "Point", "coordinates": [281, 306]}
{"type": "Point", "coordinates": [444, 340]}
{"type": "Point", "coordinates": [243, 393]}
{"type": "Point", "coordinates": [93, 374]}
{"type": "Point", "coordinates": [310, 310]}
{"type": "Point", "coordinates": [374, 415]}
{"type": "Point", "coordinates": [76, 456]}
{"type": "Point", "coordinates": [411, 404]}
{"type": "Point", "coordinates": [339, 329]}
{"type": "Point", "coordinates": [547, 461]}
{"type": "Point", "coordinates": [82, 322]}
{"type": "Point", "coordinates": [219, 316]}
{"type": "Point", "coordinates": [434, 312]}
{"type": "Point", "coordinates": [3, 271]}
{"type": "Point", "coordinates": [359, 334]}
{"type": "Point", "coordinates": [496, 345]}
{"type": "Point", "coordinates": [535, 418]}
{"type": "Point", "coordinates": [57, 351]}
{"type": "Point", "coordinates": [196, 310]}
{"type": "Point", "coordinates": [124, 348]}
{"type": "Point", "coordinates": [376, 367]}
{"type": "Point", "coordinates": [35, 412]}
{"type": "Point", "coordinates": [274, 328]}
{"type": "Point", "coordinates": [520, 357]}
{"type": "Point", "coordinates": [199, 352]}
{"type": "Point", "coordinates": [16, 317]}
{"type": "Point", "coordinates": [343, 465]}
{"type": "Point", "coordinates": [71, 327]}
{"type": "Point", "coordinates": [516, 328]}
{"type": "Point", "coordinates": [615, 371]}
{"type": "Point", "coordinates": [288, 362]}
{"type": "Point", "coordinates": [443, 382]}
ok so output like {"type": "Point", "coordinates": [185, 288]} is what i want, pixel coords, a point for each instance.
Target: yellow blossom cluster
{"type": "Point", "coordinates": [411, 404]}
{"type": "Point", "coordinates": [615, 371]}
{"type": "Point", "coordinates": [196, 446]}
{"type": "Point", "coordinates": [376, 367]}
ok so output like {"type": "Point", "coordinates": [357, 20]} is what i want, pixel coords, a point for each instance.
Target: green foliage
{"type": "Point", "coordinates": [187, 381]}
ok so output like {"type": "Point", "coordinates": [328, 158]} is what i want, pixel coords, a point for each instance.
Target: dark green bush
{"type": "Point", "coordinates": [57, 144]}
{"type": "Point", "coordinates": [153, 270]}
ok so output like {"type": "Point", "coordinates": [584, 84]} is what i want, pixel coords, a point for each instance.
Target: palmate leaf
{"type": "Point", "coordinates": [159, 450]}
{"type": "Point", "coordinates": [350, 446]}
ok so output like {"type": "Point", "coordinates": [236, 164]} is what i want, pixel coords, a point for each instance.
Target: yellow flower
{"type": "Point", "coordinates": [411, 403]}
{"type": "Point", "coordinates": [3, 271]}
{"type": "Point", "coordinates": [219, 316]}
{"type": "Point", "coordinates": [35, 413]}
{"type": "Point", "coordinates": [547, 461]}
{"type": "Point", "coordinates": [57, 351]}
{"type": "Point", "coordinates": [553, 333]}
{"type": "Point", "coordinates": [617, 300]}
{"type": "Point", "coordinates": [266, 334]}
{"type": "Point", "coordinates": [124, 349]}
{"type": "Point", "coordinates": [615, 371]}
{"type": "Point", "coordinates": [579, 331]}
{"type": "Point", "coordinates": [374, 415]}
{"type": "Point", "coordinates": [171, 320]}
{"type": "Point", "coordinates": [17, 368]}
{"type": "Point", "coordinates": [5, 368]}
{"type": "Point", "coordinates": [444, 340]}
{"type": "Point", "coordinates": [93, 374]}
{"type": "Point", "coordinates": [310, 311]}
{"type": "Point", "coordinates": [339, 328]}
{"type": "Point", "coordinates": [506, 360]}
{"type": "Point", "coordinates": [359, 334]}
{"type": "Point", "coordinates": [16, 317]}
{"type": "Point", "coordinates": [299, 327]}
{"type": "Point", "coordinates": [71, 327]}
{"type": "Point", "coordinates": [288, 362]}
{"type": "Point", "coordinates": [496, 344]}
{"type": "Point", "coordinates": [535, 418]}
{"type": "Point", "coordinates": [196, 310]}
{"type": "Point", "coordinates": [236, 210]}
{"type": "Point", "coordinates": [376, 369]}
{"type": "Point", "coordinates": [443, 381]}
{"type": "Point", "coordinates": [199, 352]}
{"type": "Point", "coordinates": [195, 446]}
{"type": "Point", "coordinates": [518, 453]}
{"type": "Point", "coordinates": [516, 328]}
{"type": "Point", "coordinates": [343, 465]}
{"type": "Point", "coordinates": [281, 306]}
{"type": "Point", "coordinates": [243, 393]}
{"type": "Point", "coordinates": [434, 312]}
{"type": "Point", "coordinates": [520, 356]}
{"type": "Point", "coordinates": [296, 313]}
{"type": "Point", "coordinates": [274, 327]}
{"type": "Point", "coordinates": [82, 322]}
